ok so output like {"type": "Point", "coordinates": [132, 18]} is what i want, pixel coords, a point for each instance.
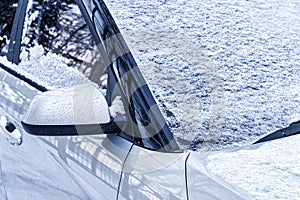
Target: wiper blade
{"type": "Point", "coordinates": [293, 129]}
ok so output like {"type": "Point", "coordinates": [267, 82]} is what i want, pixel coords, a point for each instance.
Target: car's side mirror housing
{"type": "Point", "coordinates": [79, 110]}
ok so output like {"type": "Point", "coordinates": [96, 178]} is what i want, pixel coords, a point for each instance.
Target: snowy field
{"type": "Point", "coordinates": [236, 65]}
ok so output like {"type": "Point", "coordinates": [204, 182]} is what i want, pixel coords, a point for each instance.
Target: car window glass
{"type": "Point", "coordinates": [57, 46]}
{"type": "Point", "coordinates": [8, 10]}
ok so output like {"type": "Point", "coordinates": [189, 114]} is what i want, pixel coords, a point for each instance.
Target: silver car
{"type": "Point", "coordinates": [78, 120]}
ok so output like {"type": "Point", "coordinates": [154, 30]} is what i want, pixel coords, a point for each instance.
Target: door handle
{"type": "Point", "coordinates": [11, 132]}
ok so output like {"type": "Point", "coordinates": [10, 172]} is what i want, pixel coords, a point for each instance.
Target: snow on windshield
{"type": "Point", "coordinates": [253, 46]}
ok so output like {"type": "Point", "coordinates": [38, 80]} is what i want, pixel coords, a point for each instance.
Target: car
{"type": "Point", "coordinates": [78, 120]}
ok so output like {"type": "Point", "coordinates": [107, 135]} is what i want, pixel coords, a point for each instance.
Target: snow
{"type": "Point", "coordinates": [117, 107]}
{"type": "Point", "coordinates": [48, 70]}
{"type": "Point", "coordinates": [266, 171]}
{"type": "Point", "coordinates": [28, 21]}
{"type": "Point", "coordinates": [238, 60]}
{"type": "Point", "coordinates": [294, 118]}
{"type": "Point", "coordinates": [82, 104]}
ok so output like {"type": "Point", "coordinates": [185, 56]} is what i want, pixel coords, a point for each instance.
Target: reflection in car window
{"type": "Point", "coordinates": [58, 29]}
{"type": "Point", "coordinates": [8, 10]}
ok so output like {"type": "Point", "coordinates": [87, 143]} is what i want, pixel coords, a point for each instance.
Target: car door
{"type": "Point", "coordinates": [52, 48]}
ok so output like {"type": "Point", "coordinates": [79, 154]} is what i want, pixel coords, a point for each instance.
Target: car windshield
{"type": "Point", "coordinates": [224, 72]}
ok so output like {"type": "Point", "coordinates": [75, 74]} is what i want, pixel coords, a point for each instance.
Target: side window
{"type": "Point", "coordinates": [57, 45]}
{"type": "Point", "coordinates": [8, 10]}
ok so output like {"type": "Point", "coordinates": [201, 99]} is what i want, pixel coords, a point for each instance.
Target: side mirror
{"type": "Point", "coordinates": [79, 110]}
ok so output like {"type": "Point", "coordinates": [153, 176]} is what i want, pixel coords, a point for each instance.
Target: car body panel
{"type": "Point", "coordinates": [29, 173]}
{"type": "Point", "coordinates": [16, 93]}
{"type": "Point", "coordinates": [160, 175]}
{"type": "Point", "coordinates": [154, 175]}
{"type": "Point", "coordinates": [15, 96]}
{"type": "Point", "coordinates": [91, 160]}
{"type": "Point", "coordinates": [203, 185]}
{"type": "Point", "coordinates": [2, 185]}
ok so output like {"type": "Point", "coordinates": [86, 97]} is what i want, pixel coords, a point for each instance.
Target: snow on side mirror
{"type": "Point", "coordinates": [79, 110]}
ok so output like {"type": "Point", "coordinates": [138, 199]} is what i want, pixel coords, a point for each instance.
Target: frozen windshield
{"type": "Point", "coordinates": [227, 68]}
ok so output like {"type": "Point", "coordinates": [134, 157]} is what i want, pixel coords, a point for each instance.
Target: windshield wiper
{"type": "Point", "coordinates": [293, 129]}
